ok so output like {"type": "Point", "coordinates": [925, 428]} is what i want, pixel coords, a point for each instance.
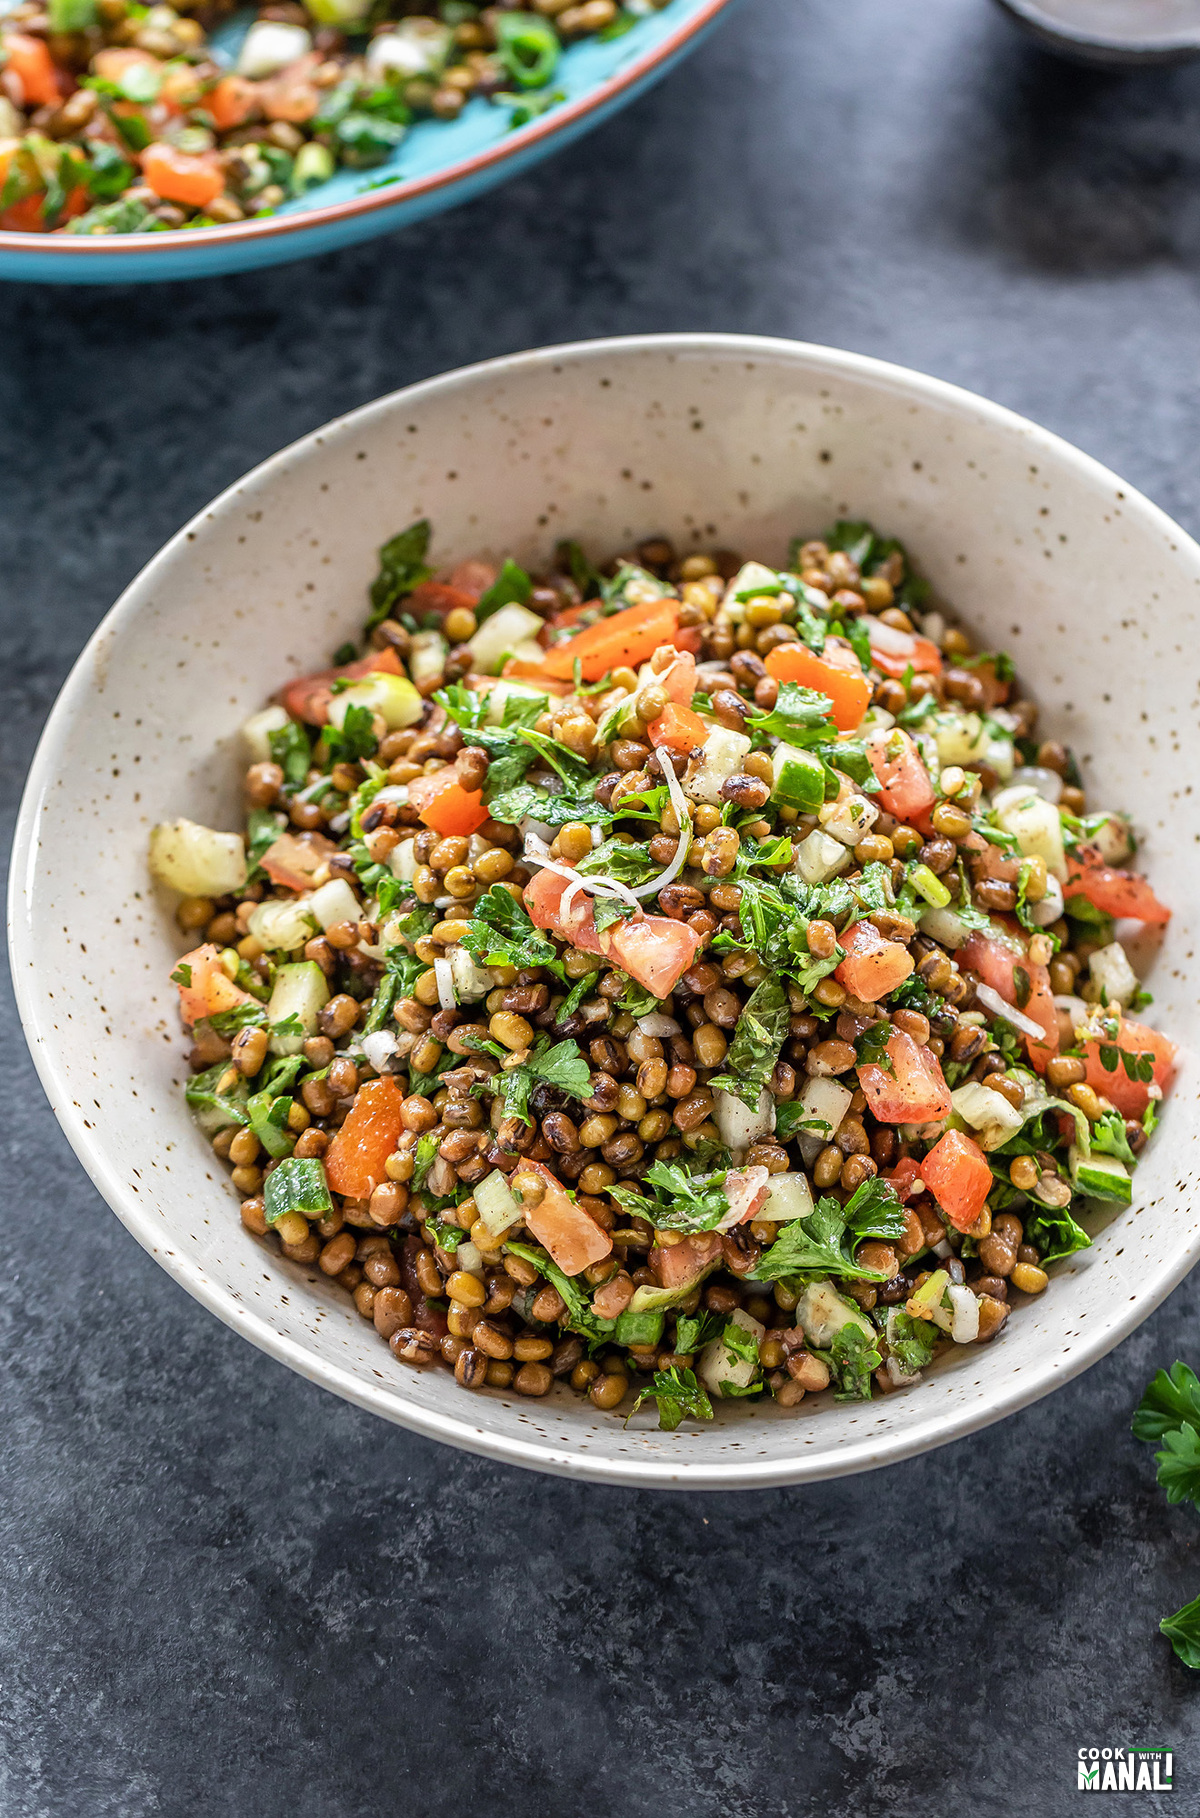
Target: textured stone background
{"type": "Point", "coordinates": [225, 1592]}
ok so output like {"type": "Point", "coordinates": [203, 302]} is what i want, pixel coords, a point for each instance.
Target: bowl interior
{"type": "Point", "coordinates": [713, 440]}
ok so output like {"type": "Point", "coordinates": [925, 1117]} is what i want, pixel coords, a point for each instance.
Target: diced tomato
{"type": "Point", "coordinates": [231, 102]}
{"type": "Point", "coordinates": [292, 95]}
{"type": "Point", "coordinates": [628, 638]}
{"type": "Point", "coordinates": [574, 1240]}
{"type": "Point", "coordinates": [904, 786]}
{"type": "Point", "coordinates": [914, 1092]}
{"type": "Point", "coordinates": [837, 673]}
{"type": "Point", "coordinates": [113, 61]}
{"type": "Point", "coordinates": [1117, 893]}
{"type": "Point", "coordinates": [211, 989]}
{"type": "Point", "coordinates": [688, 638]}
{"type": "Point", "coordinates": [26, 216]}
{"type": "Point", "coordinates": [653, 949]}
{"type": "Point", "coordinates": [439, 597]}
{"type": "Point", "coordinates": [1130, 1096]}
{"type": "Point", "coordinates": [355, 1159]}
{"type": "Point", "coordinates": [309, 696]}
{"type": "Point", "coordinates": [443, 803]}
{"type": "Point", "coordinates": [746, 1189]}
{"type": "Point", "coordinates": [894, 651]}
{"type": "Point", "coordinates": [678, 728]}
{"type": "Point", "coordinates": [472, 577]}
{"type": "Point", "coordinates": [678, 678]}
{"type": "Point", "coordinates": [677, 1265]}
{"type": "Point", "coordinates": [995, 691]}
{"type": "Point", "coordinates": [997, 962]}
{"type": "Point", "coordinates": [957, 1174]}
{"type": "Point", "coordinates": [42, 82]}
{"type": "Point", "coordinates": [904, 1177]}
{"type": "Point", "coordinates": [293, 858]}
{"type": "Point", "coordinates": [873, 965]}
{"type": "Point", "coordinates": [178, 176]}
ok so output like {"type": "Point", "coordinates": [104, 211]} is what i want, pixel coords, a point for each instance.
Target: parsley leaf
{"type": "Point", "coordinates": [851, 1358]}
{"type": "Point", "coordinates": [561, 1065]}
{"type": "Point", "coordinates": [760, 1034]}
{"type": "Point", "coordinates": [799, 717]}
{"type": "Point", "coordinates": [401, 568]}
{"type": "Point", "coordinates": [1182, 1630]}
{"type": "Point", "coordinates": [1054, 1232]}
{"type": "Point", "coordinates": [1109, 1138]}
{"type": "Point", "coordinates": [581, 1317]}
{"type": "Point", "coordinates": [501, 933]}
{"type": "Point", "coordinates": [354, 738]}
{"type": "Point", "coordinates": [1171, 1400]}
{"type": "Point", "coordinates": [823, 1243]}
{"type": "Point", "coordinates": [577, 804]}
{"type": "Point", "coordinates": [678, 1395]}
{"type": "Point", "coordinates": [290, 749]}
{"type": "Point", "coordinates": [570, 559]}
{"type": "Point", "coordinates": [695, 1330]}
{"type": "Point", "coordinates": [426, 1155]}
{"type": "Point", "coordinates": [1179, 1465]}
{"type": "Point", "coordinates": [911, 1341]}
{"type": "Point", "coordinates": [682, 1201]}
{"type": "Point", "coordinates": [512, 586]}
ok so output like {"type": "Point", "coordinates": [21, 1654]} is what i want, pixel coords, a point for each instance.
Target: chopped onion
{"type": "Point", "coordinates": [540, 831]}
{"type": "Point", "coordinates": [1075, 1008]}
{"type": "Point", "coordinates": [945, 926]}
{"type": "Point", "coordinates": [445, 983]}
{"type": "Point", "coordinates": [1046, 783]}
{"type": "Point", "coordinates": [964, 1327]}
{"type": "Point", "coordinates": [737, 1125]}
{"type": "Point", "coordinates": [379, 1048]}
{"type": "Point", "coordinates": [889, 638]}
{"type": "Point", "coordinates": [942, 1248]}
{"type": "Point", "coordinates": [657, 1025]}
{"type": "Point", "coordinates": [339, 823]}
{"type": "Point", "coordinates": [683, 816]}
{"type": "Point", "coordinates": [899, 1377]}
{"type": "Point", "coordinates": [992, 1000]}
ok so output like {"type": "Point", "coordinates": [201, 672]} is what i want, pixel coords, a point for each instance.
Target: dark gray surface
{"type": "Point", "coordinates": [225, 1592]}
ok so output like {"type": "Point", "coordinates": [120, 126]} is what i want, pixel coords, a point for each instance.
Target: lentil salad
{"type": "Point", "coordinates": [691, 980]}
{"type": "Point", "coordinates": [119, 117]}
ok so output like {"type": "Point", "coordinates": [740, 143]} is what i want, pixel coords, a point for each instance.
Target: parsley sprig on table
{"type": "Point", "coordinates": [1169, 1416]}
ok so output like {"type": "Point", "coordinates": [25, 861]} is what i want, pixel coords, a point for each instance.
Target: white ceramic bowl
{"type": "Point", "coordinates": [712, 439]}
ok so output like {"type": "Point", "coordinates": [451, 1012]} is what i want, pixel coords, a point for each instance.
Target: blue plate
{"type": "Point", "coordinates": [440, 164]}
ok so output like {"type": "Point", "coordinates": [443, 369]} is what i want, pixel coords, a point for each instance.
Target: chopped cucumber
{"type": "Point", "coordinates": [256, 733]}
{"type": "Point", "coordinates": [282, 925]}
{"type": "Point", "coordinates": [300, 991]}
{"type": "Point", "coordinates": [1034, 823]}
{"type": "Point", "coordinates": [511, 625]}
{"type": "Point", "coordinates": [789, 1197]}
{"type": "Point", "coordinates": [495, 1204]}
{"type": "Point", "coordinates": [427, 654]}
{"type": "Point", "coordinates": [799, 779]}
{"type": "Point", "coordinates": [718, 1365]}
{"type": "Point", "coordinates": [818, 858]}
{"type": "Point", "coordinates": [642, 1329]}
{"type": "Point", "coordinates": [296, 1186]}
{"type": "Point", "coordinates": [822, 1312]}
{"type": "Point", "coordinates": [335, 902]}
{"type": "Point", "coordinates": [197, 860]}
{"type": "Point", "coordinates": [1100, 1176]}
{"type": "Point", "coordinates": [500, 693]}
{"type": "Point", "coordinates": [1113, 979]}
{"type": "Point", "coordinates": [393, 697]}
{"type": "Point", "coordinates": [723, 755]}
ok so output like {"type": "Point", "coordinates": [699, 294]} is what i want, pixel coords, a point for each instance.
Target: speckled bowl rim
{"type": "Point", "coordinates": [469, 1434]}
{"type": "Point", "coordinates": [139, 247]}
